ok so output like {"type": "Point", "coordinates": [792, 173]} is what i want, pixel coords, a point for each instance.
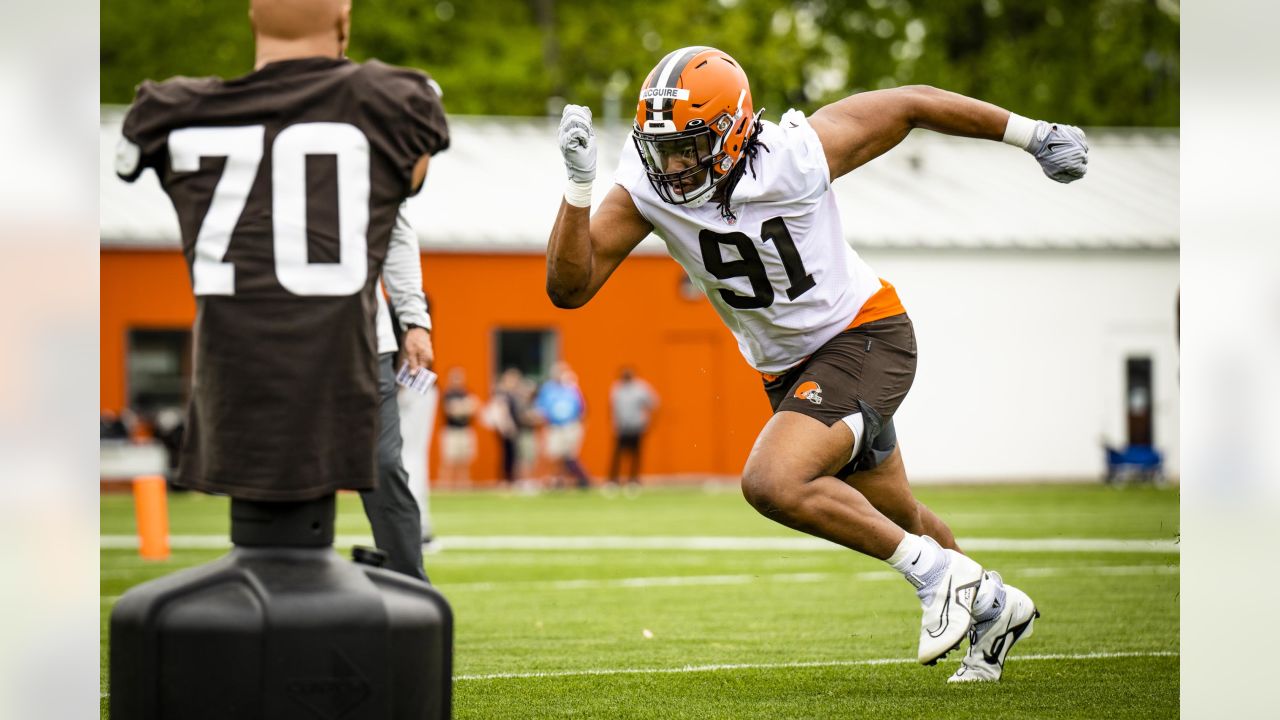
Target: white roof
{"type": "Point", "coordinates": [498, 186]}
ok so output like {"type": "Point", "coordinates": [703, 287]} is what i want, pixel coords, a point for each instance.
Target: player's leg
{"type": "Point", "coordinates": [508, 458]}
{"type": "Point", "coordinates": [935, 528]}
{"type": "Point", "coordinates": [635, 447]}
{"type": "Point", "coordinates": [830, 413]}
{"type": "Point", "coordinates": [393, 513]}
{"type": "Point", "coordinates": [450, 462]}
{"type": "Point", "coordinates": [790, 479]}
{"type": "Point", "coordinates": [619, 443]}
{"type": "Point", "coordinates": [467, 458]}
{"type": "Point", "coordinates": [572, 446]}
{"type": "Point", "coordinates": [449, 456]}
{"type": "Point", "coordinates": [886, 487]}
{"type": "Point", "coordinates": [1002, 614]}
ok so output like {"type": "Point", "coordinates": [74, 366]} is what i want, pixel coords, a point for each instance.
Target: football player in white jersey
{"type": "Point", "coordinates": [744, 205]}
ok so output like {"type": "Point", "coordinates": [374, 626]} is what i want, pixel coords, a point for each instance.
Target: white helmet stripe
{"type": "Point", "coordinates": [672, 66]}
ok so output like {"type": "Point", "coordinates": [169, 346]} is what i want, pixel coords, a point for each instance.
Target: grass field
{"type": "Point", "coordinates": [585, 606]}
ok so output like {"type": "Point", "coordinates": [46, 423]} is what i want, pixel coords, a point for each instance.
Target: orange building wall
{"type": "Point", "coordinates": [712, 404]}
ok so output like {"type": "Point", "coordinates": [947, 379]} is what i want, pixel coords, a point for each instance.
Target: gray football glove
{"type": "Point", "coordinates": [578, 143]}
{"type": "Point", "coordinates": [1061, 150]}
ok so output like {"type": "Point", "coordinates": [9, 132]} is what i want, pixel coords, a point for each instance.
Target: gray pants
{"type": "Point", "coordinates": [393, 513]}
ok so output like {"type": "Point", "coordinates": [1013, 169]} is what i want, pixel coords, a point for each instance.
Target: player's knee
{"type": "Point", "coordinates": [770, 493]}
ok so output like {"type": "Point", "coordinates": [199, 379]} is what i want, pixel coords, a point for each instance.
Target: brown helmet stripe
{"type": "Point", "coordinates": [667, 75]}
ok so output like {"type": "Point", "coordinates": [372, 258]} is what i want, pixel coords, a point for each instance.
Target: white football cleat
{"type": "Point", "coordinates": [991, 640]}
{"type": "Point", "coordinates": [948, 604]}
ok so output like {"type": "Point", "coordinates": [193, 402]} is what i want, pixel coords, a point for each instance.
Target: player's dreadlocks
{"type": "Point", "coordinates": [750, 149]}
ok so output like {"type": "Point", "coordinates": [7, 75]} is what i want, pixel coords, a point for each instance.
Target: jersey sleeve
{"type": "Point", "coordinates": [630, 171]}
{"type": "Point", "coordinates": [805, 174]}
{"type": "Point", "coordinates": [630, 176]}
{"type": "Point", "coordinates": [408, 103]}
{"type": "Point", "coordinates": [143, 135]}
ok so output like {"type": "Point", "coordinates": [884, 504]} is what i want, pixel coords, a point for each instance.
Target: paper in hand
{"type": "Point", "coordinates": [419, 381]}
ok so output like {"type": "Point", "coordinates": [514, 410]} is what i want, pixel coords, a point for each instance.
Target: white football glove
{"type": "Point", "coordinates": [578, 143]}
{"type": "Point", "coordinates": [1061, 150]}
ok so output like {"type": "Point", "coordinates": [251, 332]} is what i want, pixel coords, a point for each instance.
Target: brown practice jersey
{"type": "Point", "coordinates": [286, 184]}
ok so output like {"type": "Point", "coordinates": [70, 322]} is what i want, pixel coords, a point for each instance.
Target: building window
{"type": "Point", "coordinates": [1139, 400]}
{"type": "Point", "coordinates": [159, 369]}
{"type": "Point", "coordinates": [532, 352]}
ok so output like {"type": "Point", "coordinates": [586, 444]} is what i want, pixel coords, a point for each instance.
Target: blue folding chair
{"type": "Point", "coordinates": [1136, 462]}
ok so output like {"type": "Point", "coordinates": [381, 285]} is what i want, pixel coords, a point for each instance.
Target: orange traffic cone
{"type": "Point", "coordinates": [151, 510]}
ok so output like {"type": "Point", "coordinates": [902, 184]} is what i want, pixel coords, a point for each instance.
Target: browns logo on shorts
{"type": "Point", "coordinates": [872, 364]}
{"type": "Point", "coordinates": [810, 391]}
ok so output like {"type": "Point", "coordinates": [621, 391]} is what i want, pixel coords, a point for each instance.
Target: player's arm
{"type": "Point", "coordinates": [145, 131]}
{"type": "Point", "coordinates": [584, 250]}
{"type": "Point", "coordinates": [402, 276]}
{"type": "Point", "coordinates": [862, 127]}
{"type": "Point", "coordinates": [419, 174]}
{"type": "Point", "coordinates": [417, 99]}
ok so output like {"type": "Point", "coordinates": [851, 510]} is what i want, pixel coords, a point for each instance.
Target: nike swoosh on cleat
{"type": "Point", "coordinates": [995, 657]}
{"type": "Point", "coordinates": [945, 620]}
{"type": "Point", "coordinates": [913, 562]}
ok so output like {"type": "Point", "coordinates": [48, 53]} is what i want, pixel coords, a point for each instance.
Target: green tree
{"type": "Point", "coordinates": [1089, 62]}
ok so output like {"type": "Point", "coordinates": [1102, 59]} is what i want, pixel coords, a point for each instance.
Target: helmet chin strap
{"type": "Point", "coordinates": [702, 200]}
{"type": "Point", "coordinates": [705, 196]}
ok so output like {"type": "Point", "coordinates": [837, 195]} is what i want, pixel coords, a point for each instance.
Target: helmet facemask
{"type": "Point", "coordinates": [686, 167]}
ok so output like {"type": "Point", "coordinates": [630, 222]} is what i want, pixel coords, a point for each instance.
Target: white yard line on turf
{"type": "Point", "coordinates": [679, 542]}
{"type": "Point", "coordinates": [703, 580]}
{"type": "Point", "coordinates": [696, 580]}
{"type": "Point", "coordinates": [773, 666]}
{"type": "Point", "coordinates": [644, 582]}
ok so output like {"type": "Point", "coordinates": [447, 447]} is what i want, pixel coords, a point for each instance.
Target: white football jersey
{"type": "Point", "coordinates": [781, 276]}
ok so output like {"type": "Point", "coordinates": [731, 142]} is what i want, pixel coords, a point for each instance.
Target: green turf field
{"type": "Point", "coordinates": [649, 628]}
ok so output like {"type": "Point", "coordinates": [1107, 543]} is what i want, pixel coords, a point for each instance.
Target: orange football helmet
{"type": "Point", "coordinates": [692, 123]}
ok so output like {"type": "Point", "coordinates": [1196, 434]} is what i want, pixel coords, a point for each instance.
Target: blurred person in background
{"type": "Point", "coordinates": [458, 442]}
{"type": "Point", "coordinates": [138, 421]}
{"type": "Point", "coordinates": [169, 429]}
{"type": "Point", "coordinates": [560, 405]}
{"type": "Point", "coordinates": [632, 402]}
{"type": "Point", "coordinates": [527, 423]}
{"type": "Point", "coordinates": [502, 414]}
{"type": "Point", "coordinates": [744, 205]}
{"type": "Point", "coordinates": [111, 427]}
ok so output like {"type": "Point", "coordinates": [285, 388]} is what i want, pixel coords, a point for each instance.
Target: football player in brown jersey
{"type": "Point", "coordinates": [286, 182]}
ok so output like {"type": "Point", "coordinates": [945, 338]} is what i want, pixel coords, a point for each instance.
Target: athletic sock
{"type": "Point", "coordinates": [916, 557]}
{"type": "Point", "coordinates": [990, 599]}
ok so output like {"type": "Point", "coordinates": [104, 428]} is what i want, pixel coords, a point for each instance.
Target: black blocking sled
{"type": "Point", "coordinates": [282, 628]}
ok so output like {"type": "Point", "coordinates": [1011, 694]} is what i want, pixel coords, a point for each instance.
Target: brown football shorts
{"type": "Point", "coordinates": [866, 369]}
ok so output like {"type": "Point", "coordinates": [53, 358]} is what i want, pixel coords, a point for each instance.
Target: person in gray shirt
{"type": "Point", "coordinates": [632, 401]}
{"type": "Point", "coordinates": [395, 516]}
